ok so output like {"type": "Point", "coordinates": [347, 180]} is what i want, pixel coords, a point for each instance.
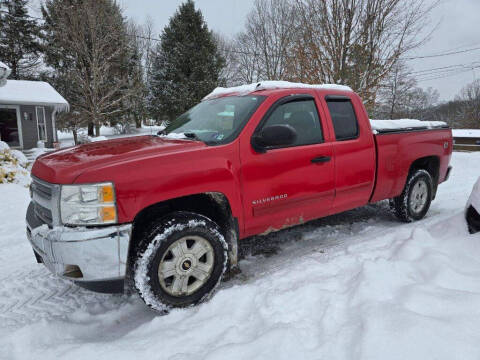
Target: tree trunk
{"type": "Point", "coordinates": [90, 129]}
{"type": "Point", "coordinates": [75, 136]}
{"type": "Point", "coordinates": [97, 129]}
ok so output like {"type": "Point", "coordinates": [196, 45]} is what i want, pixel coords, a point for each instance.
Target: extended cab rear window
{"type": "Point", "coordinates": [344, 119]}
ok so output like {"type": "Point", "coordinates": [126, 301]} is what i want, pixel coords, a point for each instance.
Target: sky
{"type": "Point", "coordinates": [458, 29]}
{"type": "Point", "coordinates": [457, 21]}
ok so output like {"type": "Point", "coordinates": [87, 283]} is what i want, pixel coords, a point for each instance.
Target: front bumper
{"type": "Point", "coordinates": [81, 254]}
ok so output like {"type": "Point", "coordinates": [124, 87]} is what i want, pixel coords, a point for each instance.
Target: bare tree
{"type": "Point", "coordinates": [247, 63]}
{"type": "Point", "coordinates": [135, 104]}
{"type": "Point", "coordinates": [144, 36]}
{"type": "Point", "coordinates": [356, 42]}
{"type": "Point", "coordinates": [394, 95]}
{"type": "Point", "coordinates": [262, 50]}
{"type": "Point", "coordinates": [470, 105]}
{"type": "Point", "coordinates": [226, 47]}
{"type": "Point", "coordinates": [400, 97]}
{"type": "Point", "coordinates": [89, 50]}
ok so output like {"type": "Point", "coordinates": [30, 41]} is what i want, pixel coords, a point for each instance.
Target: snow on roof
{"type": "Point", "coordinates": [466, 133]}
{"type": "Point", "coordinates": [4, 73]}
{"type": "Point", "coordinates": [402, 124]}
{"type": "Point", "coordinates": [24, 92]}
{"type": "Point", "coordinates": [269, 85]}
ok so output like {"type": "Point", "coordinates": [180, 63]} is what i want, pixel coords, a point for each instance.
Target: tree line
{"type": "Point", "coordinates": [114, 71]}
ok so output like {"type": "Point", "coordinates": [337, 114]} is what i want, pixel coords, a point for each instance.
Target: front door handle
{"type": "Point", "coordinates": [320, 159]}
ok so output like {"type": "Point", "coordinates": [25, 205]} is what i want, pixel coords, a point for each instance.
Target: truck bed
{"type": "Point", "coordinates": [398, 148]}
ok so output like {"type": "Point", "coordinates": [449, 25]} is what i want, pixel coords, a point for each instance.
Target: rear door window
{"type": "Point", "coordinates": [344, 119]}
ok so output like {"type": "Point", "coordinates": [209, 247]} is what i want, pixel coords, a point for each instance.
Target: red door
{"type": "Point", "coordinates": [286, 186]}
{"type": "Point", "coordinates": [354, 150]}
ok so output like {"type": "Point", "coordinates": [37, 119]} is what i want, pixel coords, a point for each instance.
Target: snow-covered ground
{"type": "Point", "coordinates": [106, 132]}
{"type": "Point", "coordinates": [358, 285]}
{"type": "Point", "coordinates": [466, 132]}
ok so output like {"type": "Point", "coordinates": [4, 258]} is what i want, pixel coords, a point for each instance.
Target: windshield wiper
{"type": "Point", "coordinates": [192, 135]}
{"type": "Point", "coordinates": [189, 135]}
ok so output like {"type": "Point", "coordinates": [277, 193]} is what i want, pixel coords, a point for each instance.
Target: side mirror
{"type": "Point", "coordinates": [274, 135]}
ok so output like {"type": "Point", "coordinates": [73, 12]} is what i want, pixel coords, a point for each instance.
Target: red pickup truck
{"type": "Point", "coordinates": [163, 214]}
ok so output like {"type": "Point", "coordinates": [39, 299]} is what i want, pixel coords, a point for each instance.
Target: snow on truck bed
{"type": "Point", "coordinates": [271, 85]}
{"type": "Point", "coordinates": [404, 124]}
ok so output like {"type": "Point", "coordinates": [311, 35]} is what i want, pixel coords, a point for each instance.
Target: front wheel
{"type": "Point", "coordinates": [180, 262]}
{"type": "Point", "coordinates": [414, 202]}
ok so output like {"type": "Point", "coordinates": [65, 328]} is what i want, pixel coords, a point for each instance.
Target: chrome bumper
{"type": "Point", "coordinates": [82, 254]}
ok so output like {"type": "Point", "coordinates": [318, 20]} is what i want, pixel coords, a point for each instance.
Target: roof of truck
{"type": "Point", "coordinates": [271, 85]}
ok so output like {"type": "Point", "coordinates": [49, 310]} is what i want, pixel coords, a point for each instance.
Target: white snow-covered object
{"type": "Point", "coordinates": [4, 73]}
{"type": "Point", "coordinates": [13, 166]}
{"type": "Point", "coordinates": [472, 215]}
{"type": "Point", "coordinates": [98, 138]}
{"type": "Point", "coordinates": [474, 199]}
{"type": "Point", "coordinates": [23, 92]}
{"type": "Point", "coordinates": [270, 85]}
{"type": "Point", "coordinates": [174, 136]}
{"type": "Point", "coordinates": [404, 124]}
{"type": "Point", "coordinates": [466, 133]}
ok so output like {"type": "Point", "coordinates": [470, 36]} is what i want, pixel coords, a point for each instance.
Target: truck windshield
{"type": "Point", "coordinates": [216, 121]}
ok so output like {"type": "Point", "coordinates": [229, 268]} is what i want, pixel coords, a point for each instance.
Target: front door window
{"type": "Point", "coordinates": [9, 127]}
{"type": "Point", "coordinates": [42, 130]}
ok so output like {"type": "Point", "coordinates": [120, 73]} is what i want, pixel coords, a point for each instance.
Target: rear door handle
{"type": "Point", "coordinates": [320, 159]}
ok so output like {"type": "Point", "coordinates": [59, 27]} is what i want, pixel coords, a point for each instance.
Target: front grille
{"type": "Point", "coordinates": [44, 201]}
{"type": "Point", "coordinates": [43, 214]}
{"type": "Point", "coordinates": [42, 189]}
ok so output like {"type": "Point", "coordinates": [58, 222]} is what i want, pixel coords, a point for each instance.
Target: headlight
{"type": "Point", "coordinates": [92, 204]}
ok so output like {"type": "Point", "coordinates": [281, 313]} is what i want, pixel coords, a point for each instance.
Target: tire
{"type": "Point", "coordinates": [180, 261]}
{"type": "Point", "coordinates": [415, 199]}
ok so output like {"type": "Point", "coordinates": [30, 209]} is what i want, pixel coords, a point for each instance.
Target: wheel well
{"type": "Point", "coordinates": [213, 205]}
{"type": "Point", "coordinates": [430, 164]}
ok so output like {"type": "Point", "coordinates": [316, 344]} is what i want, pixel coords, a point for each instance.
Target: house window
{"type": "Point", "coordinates": [42, 129]}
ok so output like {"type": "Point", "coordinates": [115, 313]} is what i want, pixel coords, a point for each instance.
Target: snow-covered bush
{"type": "Point", "coordinates": [83, 138]}
{"type": "Point", "coordinates": [13, 166]}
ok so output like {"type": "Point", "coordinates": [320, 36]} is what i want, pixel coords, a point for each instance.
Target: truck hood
{"type": "Point", "coordinates": [65, 165]}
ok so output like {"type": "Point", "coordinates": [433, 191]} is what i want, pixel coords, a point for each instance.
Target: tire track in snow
{"type": "Point", "coordinates": [34, 294]}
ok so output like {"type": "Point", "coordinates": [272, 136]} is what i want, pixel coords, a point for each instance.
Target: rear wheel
{"type": "Point", "coordinates": [180, 261]}
{"type": "Point", "coordinates": [415, 200]}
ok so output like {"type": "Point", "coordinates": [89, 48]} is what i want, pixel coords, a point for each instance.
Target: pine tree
{"type": "Point", "coordinates": [186, 64]}
{"type": "Point", "coordinates": [20, 45]}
